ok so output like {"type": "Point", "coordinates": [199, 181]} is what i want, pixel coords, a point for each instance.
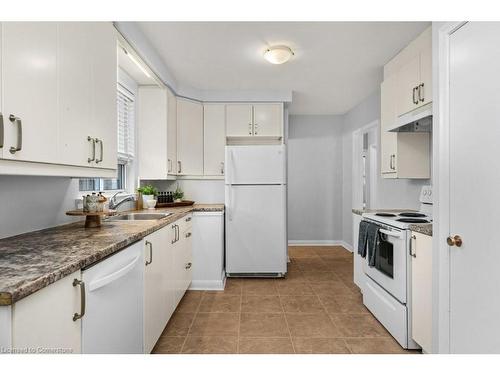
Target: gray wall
{"type": "Point", "coordinates": [389, 193]}
{"type": "Point", "coordinates": [314, 178]}
{"type": "Point", "coordinates": [32, 203]}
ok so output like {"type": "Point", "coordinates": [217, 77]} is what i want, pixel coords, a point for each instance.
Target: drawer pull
{"type": "Point", "coordinates": [188, 218]}
{"type": "Point", "coordinates": [80, 283]}
{"type": "Point", "coordinates": [188, 266]}
{"type": "Point", "coordinates": [188, 234]}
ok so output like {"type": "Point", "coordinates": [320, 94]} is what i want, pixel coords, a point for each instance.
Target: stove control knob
{"type": "Point", "coordinates": [454, 241]}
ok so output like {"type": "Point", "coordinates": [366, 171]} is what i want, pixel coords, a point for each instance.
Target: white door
{"type": "Point", "coordinates": [255, 164]}
{"type": "Point", "coordinates": [474, 181]}
{"type": "Point", "coordinates": [214, 126]}
{"type": "Point", "coordinates": [29, 75]}
{"type": "Point", "coordinates": [189, 138]}
{"type": "Point", "coordinates": [75, 94]}
{"type": "Point", "coordinates": [268, 120]}
{"type": "Point", "coordinates": [408, 79]}
{"type": "Point", "coordinates": [239, 120]}
{"type": "Point", "coordinates": [104, 79]}
{"type": "Point", "coordinates": [171, 133]}
{"type": "Point", "coordinates": [255, 229]}
{"type": "Point", "coordinates": [152, 133]}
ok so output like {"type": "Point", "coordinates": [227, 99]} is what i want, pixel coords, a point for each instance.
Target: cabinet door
{"type": "Point", "coordinates": [189, 138]}
{"type": "Point", "coordinates": [268, 120]}
{"type": "Point", "coordinates": [2, 115]}
{"type": "Point", "coordinates": [408, 77]}
{"type": "Point", "coordinates": [388, 140]}
{"type": "Point", "coordinates": [171, 133]}
{"type": "Point", "coordinates": [214, 134]}
{"type": "Point", "coordinates": [152, 132]}
{"type": "Point", "coordinates": [75, 94]}
{"type": "Point", "coordinates": [421, 276]}
{"type": "Point", "coordinates": [239, 120]}
{"type": "Point", "coordinates": [45, 318]}
{"type": "Point", "coordinates": [29, 75]}
{"type": "Point", "coordinates": [104, 79]}
{"type": "Point", "coordinates": [425, 93]}
{"type": "Point", "coordinates": [156, 297]}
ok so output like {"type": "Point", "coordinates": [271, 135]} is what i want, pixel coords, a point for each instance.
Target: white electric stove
{"type": "Point", "coordinates": [386, 285]}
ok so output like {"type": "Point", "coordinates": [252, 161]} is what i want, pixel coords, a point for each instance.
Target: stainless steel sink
{"type": "Point", "coordinates": [140, 216]}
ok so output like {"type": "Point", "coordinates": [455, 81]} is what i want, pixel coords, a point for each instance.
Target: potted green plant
{"type": "Point", "coordinates": [148, 192]}
{"type": "Point", "coordinates": [178, 194]}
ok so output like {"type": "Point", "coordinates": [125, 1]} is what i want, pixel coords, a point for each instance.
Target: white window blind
{"type": "Point", "coordinates": [126, 116]}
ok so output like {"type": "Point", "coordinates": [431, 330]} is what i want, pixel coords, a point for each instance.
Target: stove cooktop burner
{"type": "Point", "coordinates": [385, 214]}
{"type": "Point", "coordinates": [415, 221]}
{"type": "Point", "coordinates": [411, 214]}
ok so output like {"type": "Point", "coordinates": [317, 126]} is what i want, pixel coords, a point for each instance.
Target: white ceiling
{"type": "Point", "coordinates": [336, 64]}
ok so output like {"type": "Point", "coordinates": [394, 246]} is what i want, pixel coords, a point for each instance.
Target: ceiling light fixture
{"type": "Point", "coordinates": [278, 54]}
{"type": "Point", "coordinates": [136, 62]}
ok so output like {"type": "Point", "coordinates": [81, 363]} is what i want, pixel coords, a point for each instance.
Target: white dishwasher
{"type": "Point", "coordinates": [113, 320]}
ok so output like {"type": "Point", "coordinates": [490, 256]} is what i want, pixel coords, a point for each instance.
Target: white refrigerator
{"type": "Point", "coordinates": [255, 198]}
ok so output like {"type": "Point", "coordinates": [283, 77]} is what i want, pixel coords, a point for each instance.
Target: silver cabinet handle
{"type": "Point", "coordinates": [188, 234]}
{"type": "Point", "coordinates": [415, 99]}
{"type": "Point", "coordinates": [222, 167]}
{"type": "Point", "coordinates": [97, 140]}
{"type": "Point", "coordinates": [188, 266]}
{"type": "Point", "coordinates": [175, 234]}
{"type": "Point", "coordinates": [90, 139]}
{"type": "Point", "coordinates": [393, 162]}
{"type": "Point", "coordinates": [1, 130]}
{"type": "Point", "coordinates": [250, 128]}
{"type": "Point", "coordinates": [169, 165]}
{"type": "Point", "coordinates": [421, 93]}
{"type": "Point", "coordinates": [81, 284]}
{"type": "Point", "coordinates": [16, 120]}
{"type": "Point", "coordinates": [179, 164]}
{"type": "Point", "coordinates": [189, 218]}
{"type": "Point", "coordinates": [255, 127]}
{"type": "Point", "coordinates": [150, 253]}
{"type": "Point", "coordinates": [412, 246]}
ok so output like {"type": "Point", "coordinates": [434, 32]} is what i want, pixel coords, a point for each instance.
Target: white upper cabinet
{"type": "Point", "coordinates": [152, 133]}
{"type": "Point", "coordinates": [171, 133]}
{"type": "Point", "coordinates": [239, 120]}
{"type": "Point", "coordinates": [29, 81]}
{"type": "Point", "coordinates": [2, 143]}
{"type": "Point", "coordinates": [388, 140]}
{"type": "Point", "coordinates": [413, 68]}
{"type": "Point", "coordinates": [75, 106]}
{"type": "Point", "coordinates": [268, 120]}
{"type": "Point", "coordinates": [189, 138]}
{"type": "Point", "coordinates": [59, 97]}
{"type": "Point", "coordinates": [254, 120]}
{"type": "Point", "coordinates": [214, 133]}
{"type": "Point", "coordinates": [104, 80]}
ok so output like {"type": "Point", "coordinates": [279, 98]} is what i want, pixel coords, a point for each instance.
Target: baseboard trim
{"type": "Point", "coordinates": [320, 243]}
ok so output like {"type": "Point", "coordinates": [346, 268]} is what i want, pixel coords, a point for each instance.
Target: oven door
{"type": "Point", "coordinates": [390, 264]}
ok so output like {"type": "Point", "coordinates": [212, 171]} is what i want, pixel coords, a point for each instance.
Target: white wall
{"type": "Point", "coordinates": [399, 193]}
{"type": "Point", "coordinates": [314, 178]}
{"type": "Point", "coordinates": [32, 203]}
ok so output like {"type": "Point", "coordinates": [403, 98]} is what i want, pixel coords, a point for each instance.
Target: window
{"type": "Point", "coordinates": [126, 145]}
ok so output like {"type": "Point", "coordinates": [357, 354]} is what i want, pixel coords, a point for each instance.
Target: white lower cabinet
{"type": "Point", "coordinates": [167, 256]}
{"type": "Point", "coordinates": [421, 281]}
{"type": "Point", "coordinates": [43, 322]}
{"type": "Point", "coordinates": [208, 251]}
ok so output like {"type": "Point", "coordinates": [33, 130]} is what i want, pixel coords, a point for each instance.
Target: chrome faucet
{"type": "Point", "coordinates": [113, 204]}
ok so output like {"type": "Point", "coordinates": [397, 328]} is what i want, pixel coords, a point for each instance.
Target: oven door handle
{"type": "Point", "coordinates": [391, 233]}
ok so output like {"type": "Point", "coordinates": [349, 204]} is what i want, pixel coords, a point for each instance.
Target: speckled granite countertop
{"type": "Point", "coordinates": [422, 228]}
{"type": "Point", "coordinates": [31, 261]}
{"type": "Point", "coordinates": [361, 211]}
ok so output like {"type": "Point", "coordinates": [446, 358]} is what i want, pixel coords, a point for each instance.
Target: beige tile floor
{"type": "Point", "coordinates": [316, 309]}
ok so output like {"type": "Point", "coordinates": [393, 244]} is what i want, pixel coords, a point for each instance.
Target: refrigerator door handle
{"type": "Point", "coordinates": [229, 203]}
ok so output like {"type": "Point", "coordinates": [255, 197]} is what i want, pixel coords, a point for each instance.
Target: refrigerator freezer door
{"type": "Point", "coordinates": [255, 229]}
{"type": "Point", "coordinates": [255, 165]}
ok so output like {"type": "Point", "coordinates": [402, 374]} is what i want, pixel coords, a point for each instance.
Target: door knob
{"type": "Point", "coordinates": [454, 241]}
